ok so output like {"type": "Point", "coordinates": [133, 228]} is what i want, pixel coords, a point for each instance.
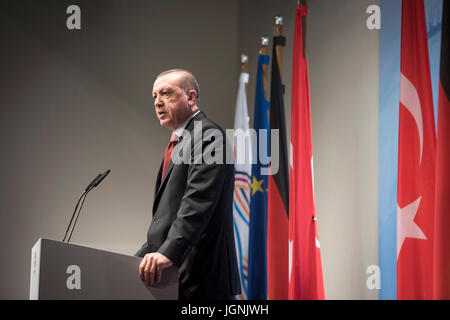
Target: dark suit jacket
{"type": "Point", "coordinates": [193, 217]}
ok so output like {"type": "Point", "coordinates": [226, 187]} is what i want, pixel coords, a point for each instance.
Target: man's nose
{"type": "Point", "coordinates": [158, 101]}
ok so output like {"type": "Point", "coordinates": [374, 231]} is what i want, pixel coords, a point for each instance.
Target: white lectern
{"type": "Point", "coordinates": [67, 271]}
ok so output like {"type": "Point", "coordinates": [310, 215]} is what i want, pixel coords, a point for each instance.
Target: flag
{"type": "Point", "coordinates": [278, 192]}
{"type": "Point", "coordinates": [305, 265]}
{"type": "Point", "coordinates": [242, 182]}
{"type": "Point", "coordinates": [389, 100]}
{"type": "Point", "coordinates": [257, 265]}
{"type": "Point", "coordinates": [442, 203]}
{"type": "Point", "coordinates": [416, 159]}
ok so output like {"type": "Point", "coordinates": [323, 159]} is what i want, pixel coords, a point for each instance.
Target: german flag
{"type": "Point", "coordinates": [278, 191]}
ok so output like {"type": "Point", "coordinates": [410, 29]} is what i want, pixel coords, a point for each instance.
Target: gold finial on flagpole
{"type": "Point", "coordinates": [244, 61]}
{"type": "Point", "coordinates": [278, 32]}
{"type": "Point", "coordinates": [278, 29]}
{"type": "Point", "coordinates": [244, 68]}
{"type": "Point", "coordinates": [265, 51]}
{"type": "Point", "coordinates": [264, 45]}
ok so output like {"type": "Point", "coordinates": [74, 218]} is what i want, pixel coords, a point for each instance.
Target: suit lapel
{"type": "Point", "coordinates": [158, 179]}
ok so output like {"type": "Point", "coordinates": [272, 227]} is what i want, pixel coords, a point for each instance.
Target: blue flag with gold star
{"type": "Point", "coordinates": [257, 255]}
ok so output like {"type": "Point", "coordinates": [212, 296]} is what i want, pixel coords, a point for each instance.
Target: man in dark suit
{"type": "Point", "coordinates": [192, 223]}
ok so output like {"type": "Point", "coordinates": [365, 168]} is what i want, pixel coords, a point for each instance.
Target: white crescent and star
{"type": "Point", "coordinates": [406, 227]}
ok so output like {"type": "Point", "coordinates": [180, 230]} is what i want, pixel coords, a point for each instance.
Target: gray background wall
{"type": "Point", "coordinates": [75, 103]}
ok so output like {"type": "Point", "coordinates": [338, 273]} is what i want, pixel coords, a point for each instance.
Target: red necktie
{"type": "Point", "coordinates": [173, 141]}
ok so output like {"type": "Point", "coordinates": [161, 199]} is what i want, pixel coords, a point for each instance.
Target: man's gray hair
{"type": "Point", "coordinates": [187, 81]}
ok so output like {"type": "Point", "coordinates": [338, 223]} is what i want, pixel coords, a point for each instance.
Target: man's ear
{"type": "Point", "coordinates": [192, 96]}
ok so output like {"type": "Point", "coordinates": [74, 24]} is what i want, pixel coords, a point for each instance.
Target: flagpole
{"type": "Point", "coordinates": [278, 32]}
{"type": "Point", "coordinates": [264, 50]}
{"type": "Point", "coordinates": [244, 67]}
{"type": "Point", "coordinates": [244, 60]}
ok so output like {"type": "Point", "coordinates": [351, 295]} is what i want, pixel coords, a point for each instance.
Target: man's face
{"type": "Point", "coordinates": [172, 104]}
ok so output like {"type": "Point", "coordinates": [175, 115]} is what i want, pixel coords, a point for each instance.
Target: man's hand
{"type": "Point", "coordinates": [151, 267]}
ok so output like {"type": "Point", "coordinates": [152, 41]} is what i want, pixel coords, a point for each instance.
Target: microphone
{"type": "Point", "coordinates": [99, 178]}
{"type": "Point", "coordinates": [92, 182]}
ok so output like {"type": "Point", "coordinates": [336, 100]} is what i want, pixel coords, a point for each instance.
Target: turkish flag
{"type": "Point", "coordinates": [305, 266]}
{"type": "Point", "coordinates": [416, 160]}
{"type": "Point", "coordinates": [442, 219]}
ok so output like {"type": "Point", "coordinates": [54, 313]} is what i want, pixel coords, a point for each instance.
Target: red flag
{"type": "Point", "coordinates": [442, 219]}
{"type": "Point", "coordinates": [416, 160]}
{"type": "Point", "coordinates": [278, 191]}
{"type": "Point", "coordinates": [305, 267]}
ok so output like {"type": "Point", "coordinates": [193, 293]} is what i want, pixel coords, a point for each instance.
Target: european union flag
{"type": "Point", "coordinates": [257, 264]}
